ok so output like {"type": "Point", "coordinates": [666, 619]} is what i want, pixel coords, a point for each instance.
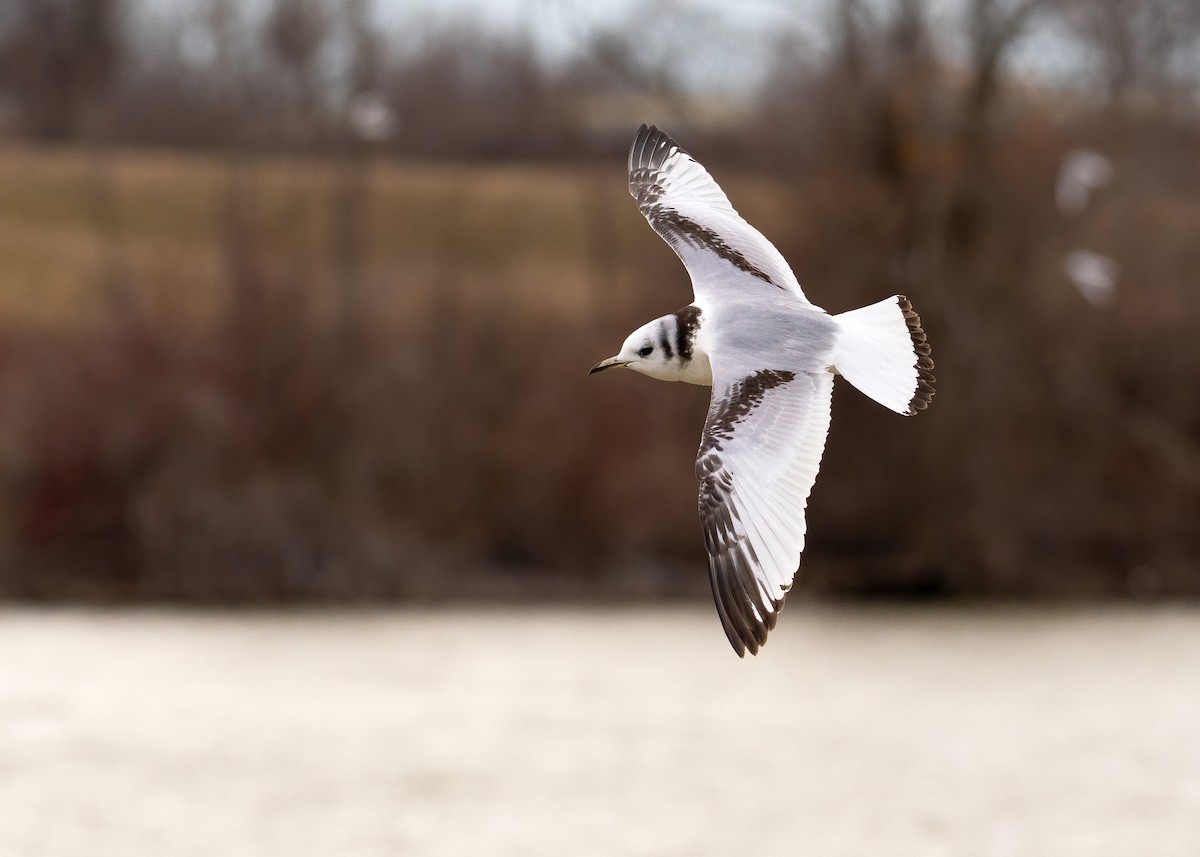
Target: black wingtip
{"type": "Point", "coordinates": [638, 145]}
{"type": "Point", "coordinates": [745, 616]}
{"type": "Point", "coordinates": [924, 365]}
{"type": "Point", "coordinates": [651, 148]}
{"type": "Point", "coordinates": [726, 624]}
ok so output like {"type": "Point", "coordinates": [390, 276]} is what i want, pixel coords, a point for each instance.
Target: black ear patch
{"type": "Point", "coordinates": [664, 339]}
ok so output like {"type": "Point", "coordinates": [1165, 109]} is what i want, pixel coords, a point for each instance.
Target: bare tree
{"type": "Point", "coordinates": [994, 27]}
{"type": "Point", "coordinates": [1143, 46]}
{"type": "Point", "coordinates": [56, 58]}
{"type": "Point", "coordinates": [364, 72]}
{"type": "Point", "coordinates": [296, 31]}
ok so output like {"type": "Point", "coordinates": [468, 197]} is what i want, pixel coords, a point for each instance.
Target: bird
{"type": "Point", "coordinates": [1095, 276]}
{"type": "Point", "coordinates": [770, 356]}
{"type": "Point", "coordinates": [1083, 172]}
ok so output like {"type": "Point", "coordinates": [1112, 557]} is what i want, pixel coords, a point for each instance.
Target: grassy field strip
{"type": "Point", "coordinates": [557, 238]}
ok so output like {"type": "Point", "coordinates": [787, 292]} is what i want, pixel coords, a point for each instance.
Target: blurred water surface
{"type": "Point", "coordinates": [860, 731]}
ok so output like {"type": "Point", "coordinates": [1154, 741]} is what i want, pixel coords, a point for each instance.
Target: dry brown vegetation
{"type": "Point", "coordinates": [297, 366]}
{"type": "Point", "coordinates": [220, 426]}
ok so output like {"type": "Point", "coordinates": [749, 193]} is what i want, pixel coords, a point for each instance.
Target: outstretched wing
{"type": "Point", "coordinates": [692, 214]}
{"type": "Point", "coordinates": [758, 459]}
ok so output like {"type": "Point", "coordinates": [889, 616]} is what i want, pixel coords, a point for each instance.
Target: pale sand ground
{"type": "Point", "coordinates": [878, 731]}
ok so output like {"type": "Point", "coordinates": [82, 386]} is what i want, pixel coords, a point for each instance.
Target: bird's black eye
{"type": "Point", "coordinates": [646, 351]}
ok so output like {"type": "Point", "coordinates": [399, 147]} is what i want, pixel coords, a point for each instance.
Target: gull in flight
{"type": "Point", "coordinates": [770, 356]}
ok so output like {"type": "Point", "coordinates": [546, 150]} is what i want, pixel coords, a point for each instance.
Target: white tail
{"type": "Point", "coordinates": [882, 351]}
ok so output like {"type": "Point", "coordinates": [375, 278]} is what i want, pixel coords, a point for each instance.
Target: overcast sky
{"type": "Point", "coordinates": [560, 26]}
{"type": "Point", "coordinates": [697, 35]}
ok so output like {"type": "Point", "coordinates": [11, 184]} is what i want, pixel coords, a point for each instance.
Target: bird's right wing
{"type": "Point", "coordinates": [758, 460]}
{"type": "Point", "coordinates": [692, 214]}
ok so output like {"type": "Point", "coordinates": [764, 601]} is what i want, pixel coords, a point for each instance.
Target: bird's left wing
{"type": "Point", "coordinates": [758, 459]}
{"type": "Point", "coordinates": [692, 214]}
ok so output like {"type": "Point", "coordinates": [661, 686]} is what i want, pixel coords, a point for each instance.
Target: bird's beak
{"type": "Point", "coordinates": [608, 364]}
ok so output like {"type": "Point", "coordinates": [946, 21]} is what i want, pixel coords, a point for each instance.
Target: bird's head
{"type": "Point", "coordinates": [648, 350]}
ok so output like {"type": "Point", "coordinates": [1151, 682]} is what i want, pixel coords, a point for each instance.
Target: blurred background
{"type": "Point", "coordinates": [297, 303]}
{"type": "Point", "coordinates": [299, 297]}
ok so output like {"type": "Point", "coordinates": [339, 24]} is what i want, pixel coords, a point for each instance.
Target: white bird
{"type": "Point", "coordinates": [1083, 172]}
{"type": "Point", "coordinates": [1093, 275]}
{"type": "Point", "coordinates": [770, 356]}
{"type": "Point", "coordinates": [372, 119]}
